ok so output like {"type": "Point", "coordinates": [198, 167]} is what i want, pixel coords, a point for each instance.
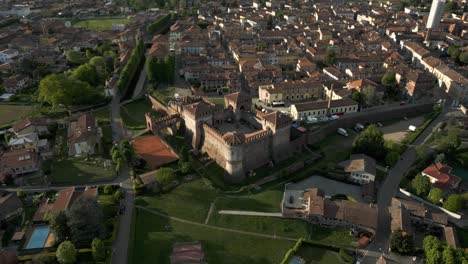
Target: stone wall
{"type": "Point", "coordinates": [214, 145]}
{"type": "Point", "coordinates": [378, 115]}
{"type": "Point", "coordinates": [256, 151]}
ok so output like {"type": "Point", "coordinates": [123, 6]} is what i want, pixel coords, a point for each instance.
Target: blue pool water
{"type": "Point", "coordinates": [460, 172]}
{"type": "Point", "coordinates": [38, 237]}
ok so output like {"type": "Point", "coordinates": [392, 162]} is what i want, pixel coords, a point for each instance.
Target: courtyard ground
{"type": "Point", "coordinates": [154, 151]}
{"type": "Point", "coordinates": [398, 131]}
{"type": "Point", "coordinates": [101, 24]}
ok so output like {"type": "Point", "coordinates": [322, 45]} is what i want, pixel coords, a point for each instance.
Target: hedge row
{"type": "Point", "coordinates": [159, 24]}
{"type": "Point", "coordinates": [130, 69]}
{"type": "Point", "coordinates": [416, 134]}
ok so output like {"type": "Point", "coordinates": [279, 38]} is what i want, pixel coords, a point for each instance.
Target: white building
{"type": "Point", "coordinates": [320, 108]}
{"type": "Point", "coordinates": [437, 8]}
{"type": "Point", "coordinates": [8, 54]}
{"type": "Point", "coordinates": [361, 168]}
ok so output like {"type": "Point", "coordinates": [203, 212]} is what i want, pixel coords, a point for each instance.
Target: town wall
{"type": "Point", "coordinates": [214, 145]}
{"type": "Point", "coordinates": [256, 150]}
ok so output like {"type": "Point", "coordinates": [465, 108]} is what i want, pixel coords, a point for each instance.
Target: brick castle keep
{"type": "Point", "coordinates": [233, 136]}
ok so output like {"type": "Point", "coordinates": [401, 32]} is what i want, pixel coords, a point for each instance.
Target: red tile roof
{"type": "Point", "coordinates": [445, 180]}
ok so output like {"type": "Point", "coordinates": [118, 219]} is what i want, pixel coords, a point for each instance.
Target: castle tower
{"type": "Point", "coordinates": [234, 156]}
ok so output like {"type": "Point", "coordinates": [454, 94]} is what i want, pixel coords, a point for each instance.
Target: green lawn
{"type": "Point", "coordinates": [11, 113]}
{"type": "Point", "coordinates": [164, 94]}
{"type": "Point", "coordinates": [190, 201]}
{"type": "Point", "coordinates": [218, 101]}
{"type": "Point", "coordinates": [102, 114]}
{"type": "Point", "coordinates": [152, 243]}
{"type": "Point", "coordinates": [266, 201]}
{"type": "Point", "coordinates": [74, 170]}
{"type": "Point", "coordinates": [101, 24]}
{"type": "Point", "coordinates": [323, 256]}
{"type": "Point", "coordinates": [133, 113]}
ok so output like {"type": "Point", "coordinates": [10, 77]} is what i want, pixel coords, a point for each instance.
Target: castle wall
{"type": "Point", "coordinates": [281, 146]}
{"type": "Point", "coordinates": [214, 145]}
{"type": "Point", "coordinates": [256, 153]}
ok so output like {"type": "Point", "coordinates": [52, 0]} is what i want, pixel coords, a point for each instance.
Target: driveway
{"type": "Point", "coordinates": [328, 186]}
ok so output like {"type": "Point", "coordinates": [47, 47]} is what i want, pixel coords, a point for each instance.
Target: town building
{"type": "Point", "coordinates": [323, 108]}
{"type": "Point", "coordinates": [441, 176]}
{"type": "Point", "coordinates": [290, 91]}
{"type": "Point", "coordinates": [19, 161]}
{"type": "Point", "coordinates": [10, 206]}
{"type": "Point", "coordinates": [8, 54]}
{"type": "Point", "coordinates": [313, 206]}
{"type": "Point", "coordinates": [83, 135]}
{"type": "Point", "coordinates": [360, 168]}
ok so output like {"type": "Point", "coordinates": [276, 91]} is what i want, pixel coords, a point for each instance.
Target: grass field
{"type": "Point", "coordinates": [133, 113]}
{"type": "Point", "coordinates": [164, 94]}
{"type": "Point", "coordinates": [153, 242]}
{"type": "Point", "coordinates": [101, 24]}
{"type": "Point", "coordinates": [218, 101]}
{"type": "Point", "coordinates": [74, 170]}
{"type": "Point", "coordinates": [11, 113]}
{"type": "Point", "coordinates": [323, 256]}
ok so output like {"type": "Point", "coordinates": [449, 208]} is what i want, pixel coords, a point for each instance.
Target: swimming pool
{"type": "Point", "coordinates": [38, 237]}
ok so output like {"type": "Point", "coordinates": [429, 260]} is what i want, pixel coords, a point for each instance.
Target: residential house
{"type": "Point", "coordinates": [19, 161]}
{"type": "Point", "coordinates": [360, 167]}
{"type": "Point", "coordinates": [421, 214]}
{"type": "Point", "coordinates": [10, 206]}
{"type": "Point", "coordinates": [29, 141]}
{"type": "Point", "coordinates": [419, 83]}
{"type": "Point", "coordinates": [401, 218]}
{"type": "Point", "coordinates": [31, 125]}
{"type": "Point", "coordinates": [313, 206]}
{"type": "Point", "coordinates": [323, 108]}
{"type": "Point", "coordinates": [63, 201]}
{"type": "Point", "coordinates": [441, 176]}
{"type": "Point", "coordinates": [83, 135]}
{"type": "Point", "coordinates": [15, 83]}
{"type": "Point", "coordinates": [8, 54]}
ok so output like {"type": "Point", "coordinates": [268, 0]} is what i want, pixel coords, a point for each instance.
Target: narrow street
{"type": "Point", "coordinates": [389, 189]}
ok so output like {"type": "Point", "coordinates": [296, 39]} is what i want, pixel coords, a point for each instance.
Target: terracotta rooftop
{"type": "Point", "coordinates": [445, 180]}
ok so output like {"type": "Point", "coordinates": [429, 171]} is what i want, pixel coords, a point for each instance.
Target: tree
{"type": "Point", "coordinates": [447, 255]}
{"type": "Point", "coordinates": [127, 151]}
{"type": "Point", "coordinates": [184, 167]}
{"type": "Point", "coordinates": [421, 185]}
{"type": "Point", "coordinates": [151, 68]}
{"type": "Point", "coordinates": [58, 89]}
{"type": "Point", "coordinates": [85, 219]}
{"type": "Point", "coordinates": [108, 189]}
{"type": "Point", "coordinates": [98, 249]}
{"type": "Point", "coordinates": [370, 142]}
{"type": "Point", "coordinates": [463, 57]}
{"type": "Point", "coordinates": [66, 253]}
{"type": "Point", "coordinates": [450, 141]}
{"type": "Point", "coordinates": [359, 97]}
{"type": "Point", "coordinates": [435, 195]}
{"type": "Point", "coordinates": [330, 57]}
{"type": "Point", "coordinates": [450, 6]}
{"type": "Point", "coordinates": [401, 242]}
{"type": "Point", "coordinates": [389, 80]}
{"type": "Point", "coordinates": [391, 158]}
{"type": "Point", "coordinates": [59, 225]}
{"type": "Point", "coordinates": [433, 256]}
{"type": "Point", "coordinates": [101, 66]}
{"type": "Point", "coordinates": [440, 158]}
{"type": "Point", "coordinates": [431, 247]}
{"type": "Point", "coordinates": [86, 73]}
{"type": "Point", "coordinates": [453, 203]}
{"type": "Point", "coordinates": [76, 57]}
{"type": "Point", "coordinates": [454, 52]}
{"type": "Point", "coordinates": [165, 176]}
{"type": "Point", "coordinates": [117, 196]}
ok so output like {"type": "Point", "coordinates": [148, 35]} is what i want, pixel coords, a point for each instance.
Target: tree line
{"type": "Point", "coordinates": [130, 69]}
{"type": "Point", "coordinates": [159, 25]}
{"type": "Point", "coordinates": [160, 70]}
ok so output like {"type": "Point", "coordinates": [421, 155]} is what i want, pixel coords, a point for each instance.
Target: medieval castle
{"type": "Point", "coordinates": [233, 136]}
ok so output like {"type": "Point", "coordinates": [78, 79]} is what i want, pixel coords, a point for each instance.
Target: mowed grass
{"type": "Point", "coordinates": [133, 113]}
{"type": "Point", "coordinates": [11, 113]}
{"type": "Point", "coordinates": [101, 24]}
{"type": "Point", "coordinates": [190, 201]}
{"type": "Point", "coordinates": [74, 170]}
{"type": "Point", "coordinates": [316, 254]}
{"type": "Point", "coordinates": [153, 242]}
{"type": "Point", "coordinates": [265, 201]}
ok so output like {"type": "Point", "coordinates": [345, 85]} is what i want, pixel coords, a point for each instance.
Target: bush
{"type": "Point", "coordinates": [108, 189]}
{"type": "Point", "coordinates": [117, 196]}
{"type": "Point", "coordinates": [454, 203]}
{"type": "Point", "coordinates": [131, 67]}
{"type": "Point", "coordinates": [345, 257]}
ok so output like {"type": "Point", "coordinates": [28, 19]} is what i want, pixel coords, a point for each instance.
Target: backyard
{"type": "Point", "coordinates": [10, 113]}
{"type": "Point", "coordinates": [101, 24]}
{"type": "Point", "coordinates": [75, 170]}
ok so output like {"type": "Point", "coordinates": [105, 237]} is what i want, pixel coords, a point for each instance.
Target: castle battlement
{"type": "Point", "coordinates": [213, 131]}
{"type": "Point", "coordinates": [259, 135]}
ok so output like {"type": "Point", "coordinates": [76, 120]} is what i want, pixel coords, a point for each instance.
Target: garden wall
{"type": "Point", "coordinates": [417, 198]}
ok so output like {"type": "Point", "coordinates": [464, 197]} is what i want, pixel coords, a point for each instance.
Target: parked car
{"type": "Point", "coordinates": [342, 131]}
{"type": "Point", "coordinates": [334, 117]}
{"type": "Point", "coordinates": [359, 127]}
{"type": "Point", "coordinates": [312, 120]}
{"type": "Point", "coordinates": [412, 128]}
{"type": "Point", "coordinates": [323, 119]}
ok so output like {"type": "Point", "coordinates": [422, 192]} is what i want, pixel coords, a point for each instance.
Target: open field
{"type": "Point", "coordinates": [73, 170]}
{"type": "Point", "coordinates": [101, 24]}
{"type": "Point", "coordinates": [153, 242]}
{"type": "Point", "coordinates": [11, 113]}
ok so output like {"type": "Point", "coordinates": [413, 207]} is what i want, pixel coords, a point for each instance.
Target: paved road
{"type": "Point", "coordinates": [389, 189]}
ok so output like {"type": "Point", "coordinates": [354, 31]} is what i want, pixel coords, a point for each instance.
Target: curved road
{"type": "Point", "coordinates": [390, 188]}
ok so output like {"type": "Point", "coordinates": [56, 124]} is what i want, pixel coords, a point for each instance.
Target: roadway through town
{"type": "Point", "coordinates": [389, 189]}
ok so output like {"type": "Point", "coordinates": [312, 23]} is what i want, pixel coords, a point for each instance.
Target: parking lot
{"type": "Point", "coordinates": [397, 131]}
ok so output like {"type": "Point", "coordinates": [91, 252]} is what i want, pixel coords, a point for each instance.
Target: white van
{"type": "Point", "coordinates": [412, 128]}
{"type": "Point", "coordinates": [342, 131]}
